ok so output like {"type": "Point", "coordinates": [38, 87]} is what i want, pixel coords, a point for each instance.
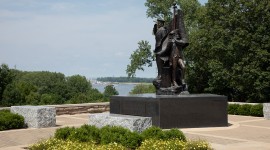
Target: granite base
{"type": "Point", "coordinates": [266, 110]}
{"type": "Point", "coordinates": [174, 111]}
{"type": "Point", "coordinates": [36, 116]}
{"type": "Point", "coordinates": [133, 123]}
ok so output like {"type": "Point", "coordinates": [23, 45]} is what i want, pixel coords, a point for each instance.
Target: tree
{"type": "Point", "coordinates": [17, 92]}
{"type": "Point", "coordinates": [230, 53]}
{"type": "Point", "coordinates": [77, 84]}
{"type": "Point", "coordinates": [109, 90]}
{"type": "Point", "coordinates": [143, 88]}
{"type": "Point", "coordinates": [6, 78]}
{"type": "Point", "coordinates": [163, 9]}
{"type": "Point", "coordinates": [156, 8]}
{"type": "Point", "coordinates": [140, 57]}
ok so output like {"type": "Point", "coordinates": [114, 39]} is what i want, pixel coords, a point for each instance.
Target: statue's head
{"type": "Point", "coordinates": [160, 22]}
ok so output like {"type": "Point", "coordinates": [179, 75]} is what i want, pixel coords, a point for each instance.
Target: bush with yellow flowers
{"type": "Point", "coordinates": [58, 144]}
{"type": "Point", "coordinates": [118, 138]}
{"type": "Point", "coordinates": [174, 144]}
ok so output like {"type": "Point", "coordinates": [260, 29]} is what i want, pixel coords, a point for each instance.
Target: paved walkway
{"type": "Point", "coordinates": [244, 132]}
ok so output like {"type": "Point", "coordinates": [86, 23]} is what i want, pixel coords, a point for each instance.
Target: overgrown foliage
{"type": "Point", "coordinates": [9, 120]}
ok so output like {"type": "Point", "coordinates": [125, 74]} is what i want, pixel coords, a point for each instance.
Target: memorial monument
{"type": "Point", "coordinates": [171, 39]}
{"type": "Point", "coordinates": [171, 106]}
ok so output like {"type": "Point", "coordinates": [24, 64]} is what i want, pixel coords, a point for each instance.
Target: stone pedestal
{"type": "Point", "coordinates": [36, 116]}
{"type": "Point", "coordinates": [133, 123]}
{"type": "Point", "coordinates": [175, 111]}
{"type": "Point", "coordinates": [266, 110]}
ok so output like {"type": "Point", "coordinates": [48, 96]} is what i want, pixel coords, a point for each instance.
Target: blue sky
{"type": "Point", "coordinates": [94, 38]}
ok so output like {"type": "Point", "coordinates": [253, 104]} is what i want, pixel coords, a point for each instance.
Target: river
{"type": "Point", "coordinates": [122, 88]}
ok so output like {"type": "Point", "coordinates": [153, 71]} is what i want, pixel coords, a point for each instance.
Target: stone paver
{"type": "Point", "coordinates": [244, 132]}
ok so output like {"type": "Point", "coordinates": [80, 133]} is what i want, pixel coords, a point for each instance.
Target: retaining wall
{"type": "Point", "coordinates": [78, 108]}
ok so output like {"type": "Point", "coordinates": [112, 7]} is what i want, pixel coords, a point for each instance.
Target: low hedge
{"type": "Point", "coordinates": [246, 110]}
{"type": "Point", "coordinates": [9, 120]}
{"type": "Point", "coordinates": [115, 134]}
{"type": "Point", "coordinates": [157, 133]}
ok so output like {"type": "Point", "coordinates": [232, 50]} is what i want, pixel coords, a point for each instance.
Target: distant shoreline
{"type": "Point", "coordinates": [107, 83]}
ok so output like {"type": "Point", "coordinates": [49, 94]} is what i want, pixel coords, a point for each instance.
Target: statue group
{"type": "Point", "coordinates": [171, 39]}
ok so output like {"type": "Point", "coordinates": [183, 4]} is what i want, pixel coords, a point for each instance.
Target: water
{"type": "Point", "coordinates": [122, 88]}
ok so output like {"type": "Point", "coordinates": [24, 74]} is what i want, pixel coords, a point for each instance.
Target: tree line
{"type": "Point", "coordinates": [43, 88]}
{"type": "Point", "coordinates": [125, 79]}
{"type": "Point", "coordinates": [229, 51]}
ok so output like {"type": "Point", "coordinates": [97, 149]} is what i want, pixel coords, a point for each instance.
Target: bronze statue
{"type": "Point", "coordinates": [170, 42]}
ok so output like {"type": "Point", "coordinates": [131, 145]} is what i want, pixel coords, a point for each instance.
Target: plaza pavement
{"type": "Point", "coordinates": [243, 133]}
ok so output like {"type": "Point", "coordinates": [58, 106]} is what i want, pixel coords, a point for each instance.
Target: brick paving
{"type": "Point", "coordinates": [244, 132]}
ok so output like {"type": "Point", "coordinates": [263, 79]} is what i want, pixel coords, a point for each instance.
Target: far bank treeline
{"type": "Point", "coordinates": [43, 87]}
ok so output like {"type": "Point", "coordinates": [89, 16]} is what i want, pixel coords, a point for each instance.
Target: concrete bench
{"type": "Point", "coordinates": [133, 123]}
{"type": "Point", "coordinates": [36, 116]}
{"type": "Point", "coordinates": [266, 110]}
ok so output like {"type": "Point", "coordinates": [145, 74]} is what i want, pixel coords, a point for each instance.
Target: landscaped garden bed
{"type": "Point", "coordinates": [118, 138]}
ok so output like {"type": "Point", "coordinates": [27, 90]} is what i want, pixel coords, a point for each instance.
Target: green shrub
{"type": "Point", "coordinates": [244, 110]}
{"type": "Point", "coordinates": [105, 135]}
{"type": "Point", "coordinates": [9, 120]}
{"type": "Point", "coordinates": [133, 140]}
{"type": "Point", "coordinates": [121, 136]}
{"type": "Point", "coordinates": [174, 134]}
{"type": "Point", "coordinates": [152, 133]}
{"type": "Point", "coordinates": [116, 134]}
{"type": "Point", "coordinates": [112, 134]}
{"type": "Point", "coordinates": [64, 133]}
{"type": "Point", "coordinates": [256, 110]}
{"type": "Point", "coordinates": [233, 109]}
{"type": "Point", "coordinates": [86, 133]}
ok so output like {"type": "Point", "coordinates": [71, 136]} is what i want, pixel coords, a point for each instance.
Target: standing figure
{"type": "Point", "coordinates": [170, 42]}
{"type": "Point", "coordinates": [160, 32]}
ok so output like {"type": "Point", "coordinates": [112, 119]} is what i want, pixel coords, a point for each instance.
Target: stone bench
{"type": "Point", "coordinates": [133, 123]}
{"type": "Point", "coordinates": [266, 110]}
{"type": "Point", "coordinates": [36, 116]}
